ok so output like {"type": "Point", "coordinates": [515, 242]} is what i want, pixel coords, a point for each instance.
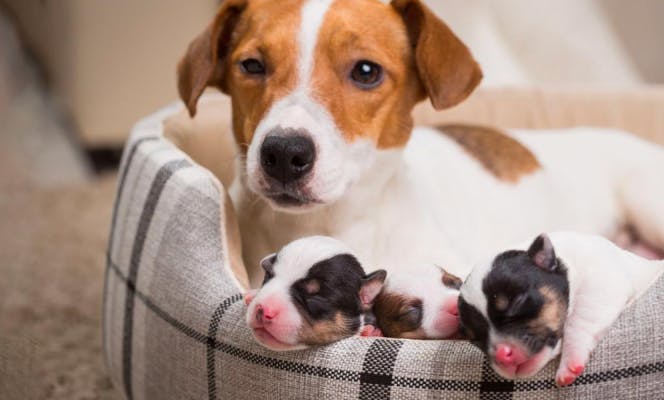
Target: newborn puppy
{"type": "Point", "coordinates": [314, 292]}
{"type": "Point", "coordinates": [558, 295]}
{"type": "Point", "coordinates": [419, 303]}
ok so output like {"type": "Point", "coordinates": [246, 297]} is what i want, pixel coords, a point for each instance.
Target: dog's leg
{"type": "Point", "coordinates": [642, 195]}
{"type": "Point", "coordinates": [585, 327]}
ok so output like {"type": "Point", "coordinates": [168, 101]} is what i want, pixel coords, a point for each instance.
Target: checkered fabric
{"type": "Point", "coordinates": [174, 316]}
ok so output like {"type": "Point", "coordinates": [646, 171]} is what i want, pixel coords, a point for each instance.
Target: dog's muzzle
{"type": "Point", "coordinates": [287, 159]}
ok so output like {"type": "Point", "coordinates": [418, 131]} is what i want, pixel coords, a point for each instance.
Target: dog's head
{"type": "Point", "coordinates": [315, 292]}
{"type": "Point", "coordinates": [514, 308]}
{"type": "Point", "coordinates": [419, 304]}
{"type": "Point", "coordinates": [320, 87]}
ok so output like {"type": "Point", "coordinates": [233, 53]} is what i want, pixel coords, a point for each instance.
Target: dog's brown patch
{"type": "Point", "coordinates": [392, 317]}
{"type": "Point", "coordinates": [419, 55]}
{"type": "Point", "coordinates": [325, 331]}
{"type": "Point", "coordinates": [262, 29]}
{"type": "Point", "coordinates": [360, 30]}
{"type": "Point", "coordinates": [502, 155]}
{"type": "Point", "coordinates": [551, 318]}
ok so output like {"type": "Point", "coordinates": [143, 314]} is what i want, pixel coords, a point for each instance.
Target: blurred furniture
{"type": "Point", "coordinates": [110, 61]}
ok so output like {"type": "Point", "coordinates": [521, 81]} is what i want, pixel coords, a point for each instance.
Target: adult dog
{"type": "Point", "coordinates": [322, 92]}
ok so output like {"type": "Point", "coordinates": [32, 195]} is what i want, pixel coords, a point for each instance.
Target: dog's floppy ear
{"type": "Point", "coordinates": [445, 65]}
{"type": "Point", "coordinates": [202, 65]}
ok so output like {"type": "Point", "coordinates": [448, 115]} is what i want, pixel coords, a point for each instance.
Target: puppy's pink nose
{"type": "Point", "coordinates": [453, 308]}
{"type": "Point", "coordinates": [504, 354]}
{"type": "Point", "coordinates": [265, 313]}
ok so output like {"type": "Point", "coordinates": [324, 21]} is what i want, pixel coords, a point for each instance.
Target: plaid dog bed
{"type": "Point", "coordinates": [174, 316]}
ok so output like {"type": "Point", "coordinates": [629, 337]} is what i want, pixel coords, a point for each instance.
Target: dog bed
{"type": "Point", "coordinates": [173, 301]}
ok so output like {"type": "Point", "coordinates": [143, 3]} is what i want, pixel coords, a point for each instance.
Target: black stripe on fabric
{"type": "Point", "coordinates": [211, 339]}
{"type": "Point", "coordinates": [447, 385]}
{"type": "Point", "coordinates": [121, 183]}
{"type": "Point", "coordinates": [493, 386]}
{"type": "Point", "coordinates": [111, 237]}
{"type": "Point", "coordinates": [353, 376]}
{"type": "Point", "coordinates": [593, 378]}
{"type": "Point", "coordinates": [378, 368]}
{"type": "Point", "coordinates": [158, 184]}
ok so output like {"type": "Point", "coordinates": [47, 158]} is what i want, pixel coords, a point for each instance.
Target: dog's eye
{"type": "Point", "coordinates": [252, 66]}
{"type": "Point", "coordinates": [366, 74]}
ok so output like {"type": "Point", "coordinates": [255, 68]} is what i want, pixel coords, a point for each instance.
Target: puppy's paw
{"type": "Point", "coordinates": [371, 331]}
{"type": "Point", "coordinates": [249, 296]}
{"type": "Point", "coordinates": [568, 372]}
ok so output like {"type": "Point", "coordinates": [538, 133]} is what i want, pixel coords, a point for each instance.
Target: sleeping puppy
{"type": "Point", "coordinates": [557, 296]}
{"type": "Point", "coordinates": [418, 303]}
{"type": "Point", "coordinates": [314, 292]}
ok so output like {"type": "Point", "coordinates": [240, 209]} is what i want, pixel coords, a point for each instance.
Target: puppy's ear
{"type": "Point", "coordinates": [267, 263]}
{"type": "Point", "coordinates": [372, 284]}
{"type": "Point", "coordinates": [445, 65]}
{"type": "Point", "coordinates": [450, 280]}
{"type": "Point", "coordinates": [202, 65]}
{"type": "Point", "coordinates": [542, 253]}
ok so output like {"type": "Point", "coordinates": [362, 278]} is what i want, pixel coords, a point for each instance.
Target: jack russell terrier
{"type": "Point", "coordinates": [315, 292]}
{"type": "Point", "coordinates": [556, 295]}
{"type": "Point", "coordinates": [322, 93]}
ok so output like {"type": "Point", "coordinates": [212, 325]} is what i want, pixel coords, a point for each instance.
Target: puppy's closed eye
{"type": "Point", "coordinates": [410, 316]}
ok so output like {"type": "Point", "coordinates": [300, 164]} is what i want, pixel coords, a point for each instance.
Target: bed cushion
{"type": "Point", "coordinates": [174, 316]}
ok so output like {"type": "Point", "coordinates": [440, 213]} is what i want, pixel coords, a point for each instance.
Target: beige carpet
{"type": "Point", "coordinates": [52, 244]}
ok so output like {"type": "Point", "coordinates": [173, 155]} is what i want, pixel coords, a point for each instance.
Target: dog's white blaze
{"type": "Point", "coordinates": [313, 14]}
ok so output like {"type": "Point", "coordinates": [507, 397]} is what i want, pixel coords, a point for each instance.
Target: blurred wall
{"type": "Point", "coordinates": [111, 62]}
{"type": "Point", "coordinates": [640, 26]}
{"type": "Point", "coordinates": [606, 42]}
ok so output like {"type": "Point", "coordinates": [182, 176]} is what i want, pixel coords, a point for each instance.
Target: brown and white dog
{"type": "Point", "coordinates": [322, 92]}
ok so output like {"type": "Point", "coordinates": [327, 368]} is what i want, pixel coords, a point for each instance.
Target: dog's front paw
{"type": "Point", "coordinates": [568, 372]}
{"type": "Point", "coordinates": [371, 331]}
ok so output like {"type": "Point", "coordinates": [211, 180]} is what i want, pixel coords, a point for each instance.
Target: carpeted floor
{"type": "Point", "coordinates": [52, 244]}
{"type": "Point", "coordinates": [54, 221]}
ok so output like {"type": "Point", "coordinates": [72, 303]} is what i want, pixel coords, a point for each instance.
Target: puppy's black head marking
{"type": "Point", "coordinates": [331, 286]}
{"type": "Point", "coordinates": [527, 294]}
{"type": "Point", "coordinates": [473, 324]}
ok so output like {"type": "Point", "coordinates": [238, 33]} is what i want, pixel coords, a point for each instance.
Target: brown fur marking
{"type": "Point", "coordinates": [388, 308]}
{"type": "Point", "coordinates": [552, 314]}
{"type": "Point", "coordinates": [325, 331]}
{"type": "Point", "coordinates": [505, 157]}
{"type": "Point", "coordinates": [451, 281]}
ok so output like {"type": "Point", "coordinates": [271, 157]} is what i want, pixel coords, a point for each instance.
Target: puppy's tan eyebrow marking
{"type": "Point", "coordinates": [500, 154]}
{"type": "Point", "coordinates": [501, 302]}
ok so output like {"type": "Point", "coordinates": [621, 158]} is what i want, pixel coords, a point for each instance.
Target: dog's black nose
{"type": "Point", "coordinates": [287, 158]}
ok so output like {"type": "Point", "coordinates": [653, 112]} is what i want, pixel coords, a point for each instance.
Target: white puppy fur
{"type": "Point", "coordinates": [603, 280]}
{"type": "Point", "coordinates": [435, 203]}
